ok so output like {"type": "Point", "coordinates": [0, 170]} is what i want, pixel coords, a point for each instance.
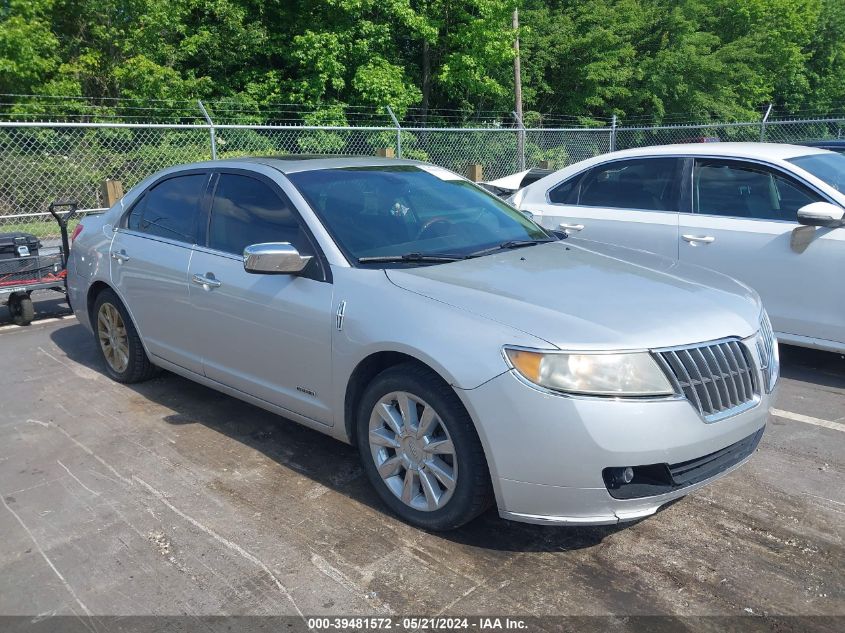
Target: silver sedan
{"type": "Point", "coordinates": [472, 356]}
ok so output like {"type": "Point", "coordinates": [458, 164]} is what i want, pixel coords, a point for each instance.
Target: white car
{"type": "Point", "coordinates": [768, 215]}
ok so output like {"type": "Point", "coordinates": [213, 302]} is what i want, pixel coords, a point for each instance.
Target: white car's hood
{"type": "Point", "coordinates": [607, 297]}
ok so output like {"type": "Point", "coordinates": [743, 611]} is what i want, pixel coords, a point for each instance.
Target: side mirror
{"type": "Point", "coordinates": [274, 258]}
{"type": "Point", "coordinates": [821, 214]}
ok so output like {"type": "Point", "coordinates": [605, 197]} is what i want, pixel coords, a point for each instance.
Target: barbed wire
{"type": "Point", "coordinates": [234, 111]}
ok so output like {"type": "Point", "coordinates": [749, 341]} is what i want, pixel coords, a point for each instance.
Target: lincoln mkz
{"type": "Point", "coordinates": [471, 355]}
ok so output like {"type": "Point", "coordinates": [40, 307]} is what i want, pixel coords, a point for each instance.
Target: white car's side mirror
{"type": "Point", "coordinates": [821, 214]}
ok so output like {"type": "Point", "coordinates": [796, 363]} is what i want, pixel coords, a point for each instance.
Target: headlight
{"type": "Point", "coordinates": [625, 374]}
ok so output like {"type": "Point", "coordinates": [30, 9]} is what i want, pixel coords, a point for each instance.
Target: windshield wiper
{"type": "Point", "coordinates": [410, 257]}
{"type": "Point", "coordinates": [510, 244]}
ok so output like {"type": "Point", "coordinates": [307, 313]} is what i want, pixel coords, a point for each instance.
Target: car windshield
{"type": "Point", "coordinates": [415, 213]}
{"type": "Point", "coordinates": [829, 167]}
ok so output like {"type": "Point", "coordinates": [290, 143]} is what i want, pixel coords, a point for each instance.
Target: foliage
{"type": "Point", "coordinates": [711, 59]}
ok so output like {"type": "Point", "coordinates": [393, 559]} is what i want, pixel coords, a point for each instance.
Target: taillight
{"type": "Point", "coordinates": [76, 232]}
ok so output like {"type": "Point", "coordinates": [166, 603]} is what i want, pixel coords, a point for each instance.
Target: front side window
{"type": "Point", "coordinates": [746, 190]}
{"type": "Point", "coordinates": [650, 184]}
{"type": "Point", "coordinates": [170, 208]}
{"type": "Point", "coordinates": [247, 211]}
{"type": "Point", "coordinates": [409, 209]}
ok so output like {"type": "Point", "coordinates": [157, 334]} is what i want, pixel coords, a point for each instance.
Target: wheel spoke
{"type": "Point", "coordinates": [391, 417]}
{"type": "Point", "coordinates": [440, 447]}
{"type": "Point", "coordinates": [409, 488]}
{"type": "Point", "coordinates": [409, 412]}
{"type": "Point", "coordinates": [122, 358]}
{"type": "Point", "coordinates": [389, 467]}
{"type": "Point", "coordinates": [430, 489]}
{"type": "Point", "coordinates": [383, 437]}
{"type": "Point", "coordinates": [443, 472]}
{"type": "Point", "coordinates": [428, 421]}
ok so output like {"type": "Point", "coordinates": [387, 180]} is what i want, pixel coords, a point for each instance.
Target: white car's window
{"type": "Point", "coordinates": [744, 190]}
{"type": "Point", "coordinates": [566, 192]}
{"type": "Point", "coordinates": [829, 168]}
{"type": "Point", "coordinates": [169, 209]}
{"type": "Point", "coordinates": [650, 184]}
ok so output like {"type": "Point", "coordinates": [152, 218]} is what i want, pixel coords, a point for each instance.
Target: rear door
{"type": "Point", "coordinates": [266, 335]}
{"type": "Point", "coordinates": [744, 224]}
{"type": "Point", "coordinates": [631, 202]}
{"type": "Point", "coordinates": [150, 254]}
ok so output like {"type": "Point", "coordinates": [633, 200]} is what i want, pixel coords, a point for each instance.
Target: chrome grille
{"type": "Point", "coordinates": [719, 379]}
{"type": "Point", "coordinates": [767, 348]}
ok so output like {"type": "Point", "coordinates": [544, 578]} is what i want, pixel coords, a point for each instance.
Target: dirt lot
{"type": "Point", "coordinates": [168, 498]}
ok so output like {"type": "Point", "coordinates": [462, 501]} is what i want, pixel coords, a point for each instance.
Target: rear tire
{"type": "Point", "coordinates": [21, 308]}
{"type": "Point", "coordinates": [118, 342]}
{"type": "Point", "coordinates": [420, 449]}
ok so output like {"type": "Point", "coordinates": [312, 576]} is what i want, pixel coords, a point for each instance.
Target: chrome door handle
{"type": "Point", "coordinates": [572, 227]}
{"type": "Point", "coordinates": [206, 282]}
{"type": "Point", "coordinates": [694, 239]}
{"type": "Point", "coordinates": [120, 256]}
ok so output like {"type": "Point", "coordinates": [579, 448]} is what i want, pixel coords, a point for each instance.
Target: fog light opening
{"type": "Point", "coordinates": [621, 476]}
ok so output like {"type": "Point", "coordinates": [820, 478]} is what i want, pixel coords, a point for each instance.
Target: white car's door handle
{"type": "Point", "coordinates": [206, 282]}
{"type": "Point", "coordinates": [120, 256]}
{"type": "Point", "coordinates": [574, 228]}
{"type": "Point", "coordinates": [695, 239]}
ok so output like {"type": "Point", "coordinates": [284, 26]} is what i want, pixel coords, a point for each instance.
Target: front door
{"type": "Point", "coordinates": [744, 224]}
{"type": "Point", "coordinates": [266, 335]}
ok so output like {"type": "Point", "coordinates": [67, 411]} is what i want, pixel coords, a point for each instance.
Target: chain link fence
{"type": "Point", "coordinates": [42, 162]}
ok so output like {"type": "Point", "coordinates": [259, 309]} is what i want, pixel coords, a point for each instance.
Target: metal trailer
{"type": "Point", "coordinates": [20, 276]}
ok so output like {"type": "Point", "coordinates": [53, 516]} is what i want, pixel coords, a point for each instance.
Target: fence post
{"type": "Point", "coordinates": [398, 132]}
{"type": "Point", "coordinates": [212, 132]}
{"type": "Point", "coordinates": [763, 123]}
{"type": "Point", "coordinates": [613, 133]}
{"type": "Point", "coordinates": [110, 191]}
{"type": "Point", "coordinates": [520, 141]}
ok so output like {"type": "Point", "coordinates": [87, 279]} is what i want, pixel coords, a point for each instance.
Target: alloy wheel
{"type": "Point", "coordinates": [111, 333]}
{"type": "Point", "coordinates": [413, 451]}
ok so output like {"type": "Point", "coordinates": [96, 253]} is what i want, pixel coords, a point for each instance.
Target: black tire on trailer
{"type": "Point", "coordinates": [21, 308]}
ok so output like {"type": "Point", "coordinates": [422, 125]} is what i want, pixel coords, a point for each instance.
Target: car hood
{"type": "Point", "coordinates": [592, 296]}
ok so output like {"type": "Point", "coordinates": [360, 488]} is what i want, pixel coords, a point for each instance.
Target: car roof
{"type": "Point", "coordinates": [837, 143]}
{"type": "Point", "coordinates": [289, 164]}
{"type": "Point", "coordinates": [772, 151]}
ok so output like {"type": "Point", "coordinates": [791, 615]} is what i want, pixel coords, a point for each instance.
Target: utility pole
{"type": "Point", "coordinates": [517, 90]}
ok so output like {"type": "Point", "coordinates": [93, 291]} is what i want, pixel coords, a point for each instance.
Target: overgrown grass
{"type": "Point", "coordinates": [43, 229]}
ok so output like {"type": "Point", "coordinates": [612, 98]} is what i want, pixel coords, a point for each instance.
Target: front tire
{"type": "Point", "coordinates": [420, 449]}
{"type": "Point", "coordinates": [118, 341]}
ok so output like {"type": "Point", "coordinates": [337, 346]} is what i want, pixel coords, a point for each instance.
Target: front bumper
{"type": "Point", "coordinates": [547, 452]}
